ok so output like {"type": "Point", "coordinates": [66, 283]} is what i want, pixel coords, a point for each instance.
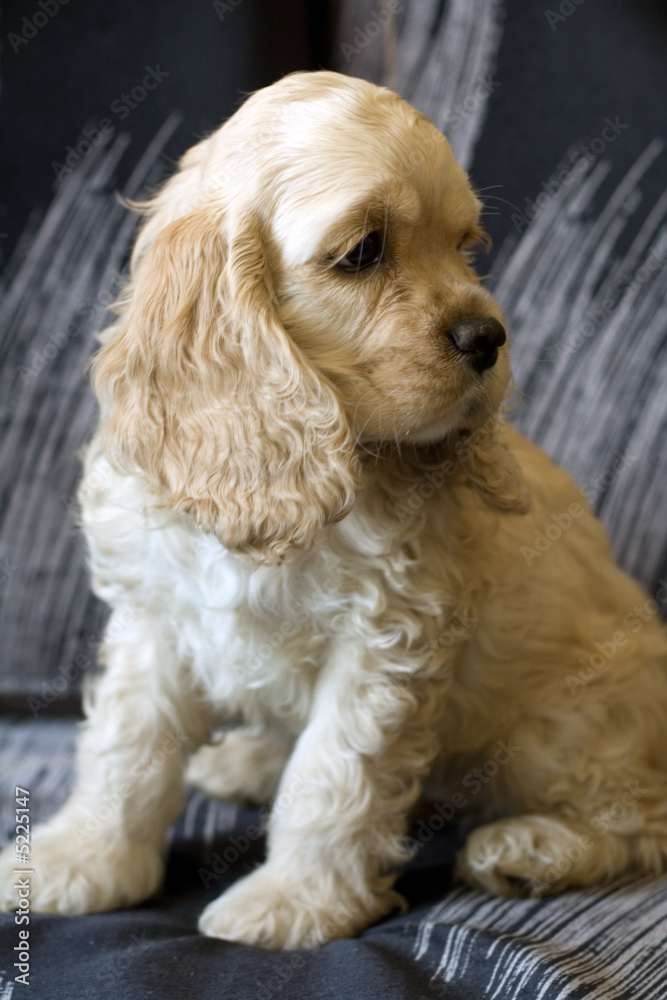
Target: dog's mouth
{"type": "Point", "coordinates": [434, 405]}
{"type": "Point", "coordinates": [435, 438]}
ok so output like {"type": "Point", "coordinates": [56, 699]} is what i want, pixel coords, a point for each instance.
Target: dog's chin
{"type": "Point", "coordinates": [441, 430]}
{"type": "Point", "coordinates": [473, 407]}
{"type": "Point", "coordinates": [427, 443]}
{"type": "Point", "coordinates": [465, 417]}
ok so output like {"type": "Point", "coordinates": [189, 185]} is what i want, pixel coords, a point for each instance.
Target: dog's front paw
{"type": "Point", "coordinates": [67, 877]}
{"type": "Point", "coordinates": [523, 856]}
{"type": "Point", "coordinates": [271, 909]}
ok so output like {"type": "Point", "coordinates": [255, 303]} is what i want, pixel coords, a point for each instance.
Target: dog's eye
{"type": "Point", "coordinates": [366, 253]}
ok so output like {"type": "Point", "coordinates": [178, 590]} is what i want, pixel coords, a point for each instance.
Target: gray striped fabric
{"type": "Point", "coordinates": [596, 407]}
{"type": "Point", "coordinates": [52, 301]}
{"type": "Point", "coordinates": [583, 287]}
{"type": "Point", "coordinates": [605, 944]}
{"type": "Point", "coordinates": [435, 55]}
{"type": "Point", "coordinates": [37, 758]}
{"type": "Point", "coordinates": [589, 328]}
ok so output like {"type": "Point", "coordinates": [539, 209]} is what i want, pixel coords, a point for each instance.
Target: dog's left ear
{"type": "Point", "coordinates": [203, 390]}
{"type": "Point", "coordinates": [492, 469]}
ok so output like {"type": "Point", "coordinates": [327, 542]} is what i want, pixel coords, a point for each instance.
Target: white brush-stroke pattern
{"type": "Point", "coordinates": [604, 944]}
{"type": "Point", "coordinates": [593, 378]}
{"type": "Point", "coordinates": [52, 301]}
{"type": "Point", "coordinates": [547, 280]}
{"type": "Point", "coordinates": [38, 759]}
{"type": "Point", "coordinates": [441, 56]}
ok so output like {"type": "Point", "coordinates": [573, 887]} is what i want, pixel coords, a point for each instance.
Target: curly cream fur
{"type": "Point", "coordinates": [311, 505]}
{"type": "Point", "coordinates": [201, 388]}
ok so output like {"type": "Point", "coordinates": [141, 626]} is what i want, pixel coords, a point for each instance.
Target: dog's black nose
{"type": "Point", "coordinates": [478, 339]}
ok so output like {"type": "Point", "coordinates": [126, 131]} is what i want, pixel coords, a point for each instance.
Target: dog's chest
{"type": "Point", "coordinates": [260, 635]}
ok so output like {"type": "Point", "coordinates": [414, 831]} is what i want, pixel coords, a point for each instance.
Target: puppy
{"type": "Point", "coordinates": [307, 513]}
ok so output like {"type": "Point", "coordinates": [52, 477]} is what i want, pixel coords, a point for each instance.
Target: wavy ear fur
{"type": "Point", "coordinates": [492, 470]}
{"type": "Point", "coordinates": [202, 389]}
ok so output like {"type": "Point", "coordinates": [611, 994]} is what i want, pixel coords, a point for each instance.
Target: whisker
{"type": "Point", "coordinates": [360, 443]}
{"type": "Point", "coordinates": [511, 204]}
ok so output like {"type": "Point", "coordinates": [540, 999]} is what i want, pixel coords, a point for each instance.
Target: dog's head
{"type": "Point", "coordinates": [302, 285]}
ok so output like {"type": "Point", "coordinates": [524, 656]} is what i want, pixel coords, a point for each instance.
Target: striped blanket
{"type": "Point", "coordinates": [553, 113]}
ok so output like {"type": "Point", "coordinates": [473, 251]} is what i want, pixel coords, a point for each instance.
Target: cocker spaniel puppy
{"type": "Point", "coordinates": [310, 519]}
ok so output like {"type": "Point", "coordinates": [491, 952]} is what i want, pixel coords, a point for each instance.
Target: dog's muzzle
{"type": "Point", "coordinates": [478, 338]}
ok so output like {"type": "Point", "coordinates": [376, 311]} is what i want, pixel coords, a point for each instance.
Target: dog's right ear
{"type": "Point", "coordinates": [202, 390]}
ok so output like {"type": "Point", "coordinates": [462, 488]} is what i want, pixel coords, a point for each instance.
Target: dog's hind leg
{"type": "Point", "coordinates": [540, 854]}
{"type": "Point", "coordinates": [245, 765]}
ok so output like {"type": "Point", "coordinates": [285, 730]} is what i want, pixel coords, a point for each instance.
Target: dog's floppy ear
{"type": "Point", "coordinates": [491, 468]}
{"type": "Point", "coordinates": [202, 389]}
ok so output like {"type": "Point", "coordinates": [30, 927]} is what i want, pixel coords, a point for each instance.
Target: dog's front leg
{"type": "Point", "coordinates": [336, 833]}
{"type": "Point", "coordinates": [104, 849]}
